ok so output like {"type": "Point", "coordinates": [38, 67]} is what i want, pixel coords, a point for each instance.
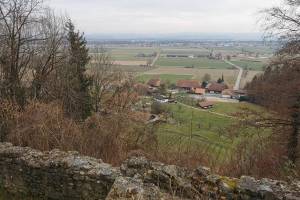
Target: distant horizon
{"type": "Point", "coordinates": [177, 36]}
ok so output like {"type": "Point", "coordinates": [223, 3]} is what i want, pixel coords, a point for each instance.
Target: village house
{"type": "Point", "coordinates": [199, 91]}
{"type": "Point", "coordinates": [206, 104]}
{"type": "Point", "coordinates": [216, 88]}
{"type": "Point", "coordinates": [188, 85]}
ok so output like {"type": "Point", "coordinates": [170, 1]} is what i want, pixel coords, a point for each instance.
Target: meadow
{"type": "Point", "coordinates": [172, 79]}
{"type": "Point", "coordinates": [185, 51]}
{"type": "Point", "coordinates": [250, 65]}
{"type": "Point", "coordinates": [130, 54]}
{"type": "Point", "coordinates": [193, 128]}
{"type": "Point", "coordinates": [197, 74]}
{"type": "Point", "coordinates": [198, 63]}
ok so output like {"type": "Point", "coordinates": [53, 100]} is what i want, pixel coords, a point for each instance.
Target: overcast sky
{"type": "Point", "coordinates": [164, 16]}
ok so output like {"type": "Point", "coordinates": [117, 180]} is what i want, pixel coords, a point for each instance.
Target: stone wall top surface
{"type": "Point", "coordinates": [59, 175]}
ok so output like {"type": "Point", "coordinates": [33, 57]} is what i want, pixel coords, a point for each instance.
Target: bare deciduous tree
{"type": "Point", "coordinates": [103, 77]}
{"type": "Point", "coordinates": [30, 44]}
{"type": "Point", "coordinates": [51, 51]}
{"type": "Point", "coordinates": [283, 21]}
{"type": "Point", "coordinates": [112, 89]}
{"type": "Point", "coordinates": [19, 36]}
{"type": "Point", "coordinates": [278, 88]}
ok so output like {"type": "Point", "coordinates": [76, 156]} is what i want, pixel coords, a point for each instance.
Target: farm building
{"type": "Point", "coordinates": [154, 82]}
{"type": "Point", "coordinates": [206, 104]}
{"type": "Point", "coordinates": [216, 88]}
{"type": "Point", "coordinates": [199, 91]}
{"type": "Point", "coordinates": [188, 84]}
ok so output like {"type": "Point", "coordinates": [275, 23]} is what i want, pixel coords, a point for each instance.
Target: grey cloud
{"type": "Point", "coordinates": [163, 16]}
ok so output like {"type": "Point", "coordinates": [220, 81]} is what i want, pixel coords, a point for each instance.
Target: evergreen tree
{"type": "Point", "coordinates": [76, 97]}
{"type": "Point", "coordinates": [204, 84]}
{"type": "Point", "coordinates": [221, 80]}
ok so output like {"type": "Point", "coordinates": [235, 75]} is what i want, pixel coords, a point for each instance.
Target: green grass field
{"type": "Point", "coordinates": [185, 51]}
{"type": "Point", "coordinates": [201, 130]}
{"type": "Point", "coordinates": [251, 65]}
{"type": "Point", "coordinates": [195, 129]}
{"type": "Point", "coordinates": [265, 50]}
{"type": "Point", "coordinates": [172, 79]}
{"type": "Point", "coordinates": [200, 63]}
{"type": "Point", "coordinates": [130, 54]}
{"type": "Point", "coordinates": [232, 108]}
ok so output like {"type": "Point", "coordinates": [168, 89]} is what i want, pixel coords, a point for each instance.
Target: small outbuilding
{"type": "Point", "coordinates": [206, 104]}
{"type": "Point", "coordinates": [199, 91]}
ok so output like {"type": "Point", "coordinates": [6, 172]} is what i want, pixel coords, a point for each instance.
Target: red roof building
{"type": "Point", "coordinates": [199, 91]}
{"type": "Point", "coordinates": [188, 84]}
{"type": "Point", "coordinates": [206, 104]}
{"type": "Point", "coordinates": [216, 87]}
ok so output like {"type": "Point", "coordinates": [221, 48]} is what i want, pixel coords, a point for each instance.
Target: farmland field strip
{"type": "Point", "coordinates": [199, 138]}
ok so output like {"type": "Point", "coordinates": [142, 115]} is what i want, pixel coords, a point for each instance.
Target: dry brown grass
{"type": "Point", "coordinates": [109, 137]}
{"type": "Point", "coordinates": [113, 137]}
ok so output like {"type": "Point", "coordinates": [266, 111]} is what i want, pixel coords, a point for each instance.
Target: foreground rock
{"type": "Point", "coordinates": [56, 175]}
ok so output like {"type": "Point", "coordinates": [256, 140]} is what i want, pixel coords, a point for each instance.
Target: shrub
{"type": "Point", "coordinates": [158, 108]}
{"type": "Point", "coordinates": [7, 118]}
{"type": "Point", "coordinates": [110, 137]}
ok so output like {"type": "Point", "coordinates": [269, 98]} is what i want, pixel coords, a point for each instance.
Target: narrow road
{"type": "Point", "coordinates": [151, 65]}
{"type": "Point", "coordinates": [239, 78]}
{"type": "Point", "coordinates": [155, 59]}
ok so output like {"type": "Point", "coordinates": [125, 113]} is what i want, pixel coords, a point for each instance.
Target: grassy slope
{"type": "Point", "coordinates": [231, 108]}
{"type": "Point", "coordinates": [203, 125]}
{"type": "Point", "coordinates": [207, 129]}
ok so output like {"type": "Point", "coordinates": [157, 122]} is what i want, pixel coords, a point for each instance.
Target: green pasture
{"type": "Point", "coordinates": [172, 79]}
{"type": "Point", "coordinates": [200, 63]}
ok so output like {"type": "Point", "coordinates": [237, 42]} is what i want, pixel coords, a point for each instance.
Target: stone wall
{"type": "Point", "coordinates": [59, 175]}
